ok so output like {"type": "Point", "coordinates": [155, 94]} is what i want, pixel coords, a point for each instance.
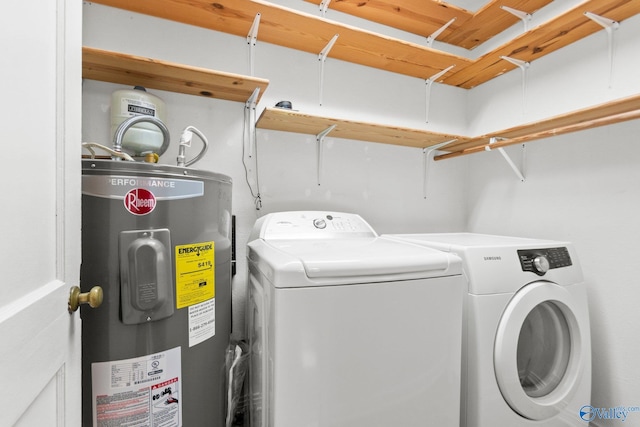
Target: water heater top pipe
{"type": "Point", "coordinates": [128, 123]}
{"type": "Point", "coordinates": [185, 141]}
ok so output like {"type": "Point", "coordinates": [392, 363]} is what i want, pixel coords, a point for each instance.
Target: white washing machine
{"type": "Point", "coordinates": [348, 329]}
{"type": "Point", "coordinates": [527, 352]}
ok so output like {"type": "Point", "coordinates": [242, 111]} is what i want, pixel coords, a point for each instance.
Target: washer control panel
{"type": "Point", "coordinates": [540, 261]}
{"type": "Point", "coordinates": [315, 225]}
{"type": "Point", "coordinates": [345, 223]}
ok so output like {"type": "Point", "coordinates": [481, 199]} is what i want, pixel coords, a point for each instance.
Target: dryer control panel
{"type": "Point", "coordinates": [540, 261]}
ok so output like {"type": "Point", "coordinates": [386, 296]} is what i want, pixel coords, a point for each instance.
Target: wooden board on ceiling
{"type": "Point", "coordinates": [542, 40]}
{"type": "Point", "coordinates": [293, 121]}
{"type": "Point", "coordinates": [297, 30]}
{"type": "Point", "coordinates": [131, 70]}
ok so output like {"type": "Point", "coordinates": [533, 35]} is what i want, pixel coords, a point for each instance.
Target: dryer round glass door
{"type": "Point", "coordinates": [539, 351]}
{"type": "Point", "coordinates": [544, 347]}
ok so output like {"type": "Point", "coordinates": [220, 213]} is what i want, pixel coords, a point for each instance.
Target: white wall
{"type": "Point", "coordinates": [382, 183]}
{"type": "Point", "coordinates": [581, 187]}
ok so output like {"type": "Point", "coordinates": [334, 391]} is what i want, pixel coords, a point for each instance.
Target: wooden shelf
{"type": "Point", "coordinates": [292, 121]}
{"type": "Point", "coordinates": [598, 115]}
{"type": "Point", "coordinates": [555, 34]}
{"type": "Point", "coordinates": [133, 70]}
{"type": "Point", "coordinates": [286, 27]}
{"type": "Point", "coordinates": [424, 17]}
{"type": "Point", "coordinates": [289, 28]}
{"type": "Point", "coordinates": [617, 111]}
{"type": "Point", "coordinates": [490, 21]}
{"type": "Point", "coordinates": [308, 33]}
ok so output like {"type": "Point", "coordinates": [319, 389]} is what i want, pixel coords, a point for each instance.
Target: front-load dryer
{"type": "Point", "coordinates": [527, 351]}
{"type": "Point", "coordinates": [348, 329]}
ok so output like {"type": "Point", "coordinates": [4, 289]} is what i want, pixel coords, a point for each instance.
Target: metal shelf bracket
{"type": "Point", "coordinates": [319, 146]}
{"type": "Point", "coordinates": [429, 83]}
{"type": "Point", "coordinates": [523, 65]}
{"type": "Point", "coordinates": [324, 5]}
{"type": "Point", "coordinates": [250, 105]}
{"type": "Point", "coordinates": [524, 16]}
{"type": "Point", "coordinates": [427, 157]}
{"type": "Point", "coordinates": [435, 34]}
{"type": "Point", "coordinates": [506, 157]}
{"type": "Point", "coordinates": [252, 39]}
{"type": "Point", "coordinates": [322, 57]}
{"type": "Point", "coordinates": [610, 26]}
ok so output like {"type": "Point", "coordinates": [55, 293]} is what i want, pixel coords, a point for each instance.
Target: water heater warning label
{"type": "Point", "coordinates": [144, 391]}
{"type": "Point", "coordinates": [195, 274]}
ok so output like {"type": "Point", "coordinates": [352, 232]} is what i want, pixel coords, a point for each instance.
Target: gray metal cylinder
{"type": "Point", "coordinates": [157, 239]}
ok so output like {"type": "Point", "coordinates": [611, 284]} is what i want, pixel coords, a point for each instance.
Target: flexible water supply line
{"type": "Point", "coordinates": [185, 141]}
{"type": "Point", "coordinates": [128, 123]}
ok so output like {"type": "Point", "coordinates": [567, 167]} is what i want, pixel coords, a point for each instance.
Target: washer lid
{"type": "Point", "coordinates": [313, 248]}
{"type": "Point", "coordinates": [362, 257]}
{"type": "Point", "coordinates": [304, 263]}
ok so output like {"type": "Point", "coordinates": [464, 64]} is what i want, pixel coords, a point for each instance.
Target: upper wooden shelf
{"type": "Point", "coordinates": [424, 17]}
{"type": "Point", "coordinates": [292, 121]}
{"type": "Point", "coordinates": [308, 33]}
{"type": "Point", "coordinates": [304, 32]}
{"type": "Point", "coordinates": [555, 34]}
{"type": "Point", "coordinates": [133, 70]}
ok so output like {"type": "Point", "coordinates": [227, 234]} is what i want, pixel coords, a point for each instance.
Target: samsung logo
{"type": "Point", "coordinates": [493, 258]}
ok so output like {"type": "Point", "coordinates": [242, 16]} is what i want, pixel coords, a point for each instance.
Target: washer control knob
{"type": "Point", "coordinates": [319, 223]}
{"type": "Point", "coordinates": [541, 264]}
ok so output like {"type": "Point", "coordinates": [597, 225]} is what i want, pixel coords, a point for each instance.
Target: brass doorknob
{"type": "Point", "coordinates": [93, 298]}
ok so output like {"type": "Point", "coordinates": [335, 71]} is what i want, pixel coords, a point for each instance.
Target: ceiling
{"type": "Point", "coordinates": [471, 5]}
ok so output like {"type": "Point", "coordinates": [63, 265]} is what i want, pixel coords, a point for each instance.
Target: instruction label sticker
{"type": "Point", "coordinates": [143, 391]}
{"type": "Point", "coordinates": [202, 322]}
{"type": "Point", "coordinates": [195, 274]}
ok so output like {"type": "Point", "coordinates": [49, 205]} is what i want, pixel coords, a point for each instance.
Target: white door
{"type": "Point", "coordinates": [40, 116]}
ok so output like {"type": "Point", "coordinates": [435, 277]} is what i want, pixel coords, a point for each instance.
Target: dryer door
{"type": "Point", "coordinates": [539, 350]}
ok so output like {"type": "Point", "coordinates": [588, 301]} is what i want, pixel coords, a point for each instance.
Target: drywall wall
{"type": "Point", "coordinates": [581, 187]}
{"type": "Point", "coordinates": [382, 183]}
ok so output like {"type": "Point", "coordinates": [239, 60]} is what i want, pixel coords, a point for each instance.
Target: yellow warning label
{"type": "Point", "coordinates": [195, 273]}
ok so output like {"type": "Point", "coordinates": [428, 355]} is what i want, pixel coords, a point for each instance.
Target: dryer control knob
{"type": "Point", "coordinates": [541, 264]}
